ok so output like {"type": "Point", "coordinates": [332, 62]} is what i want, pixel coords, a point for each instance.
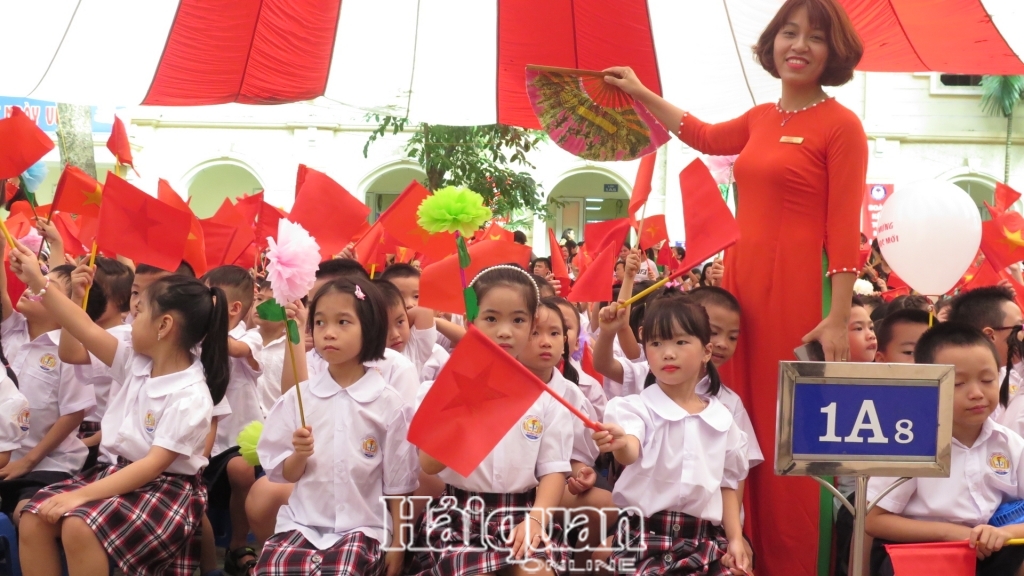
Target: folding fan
{"type": "Point", "coordinates": [589, 117]}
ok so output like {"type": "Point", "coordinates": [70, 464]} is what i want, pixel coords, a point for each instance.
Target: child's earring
{"type": "Point", "coordinates": [159, 335]}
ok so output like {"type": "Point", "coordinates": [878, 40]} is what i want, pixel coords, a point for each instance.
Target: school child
{"type": "Point", "coordinates": [898, 334]}
{"type": "Point", "coordinates": [272, 355]}
{"type": "Point", "coordinates": [146, 275]}
{"type": "Point", "coordinates": [406, 278]}
{"type": "Point", "coordinates": [112, 292]}
{"type": "Point", "coordinates": [58, 402]}
{"type": "Point", "coordinates": [228, 476]}
{"type": "Point", "coordinates": [419, 346]}
{"type": "Point", "coordinates": [683, 452]}
{"type": "Point", "coordinates": [12, 404]}
{"type": "Point", "coordinates": [526, 471]}
{"type": "Point", "coordinates": [591, 388]}
{"type": "Point", "coordinates": [141, 512]}
{"type": "Point", "coordinates": [861, 333]}
{"type": "Point", "coordinates": [985, 467]}
{"type": "Point", "coordinates": [351, 452]}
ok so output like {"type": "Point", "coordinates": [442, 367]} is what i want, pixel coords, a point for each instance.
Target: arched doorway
{"type": "Point", "coordinates": [387, 184]}
{"type": "Point", "coordinates": [211, 184]}
{"type": "Point", "coordinates": [980, 188]}
{"type": "Point", "coordinates": [588, 195]}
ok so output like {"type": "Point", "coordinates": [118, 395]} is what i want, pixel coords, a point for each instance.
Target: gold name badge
{"type": "Point", "coordinates": [791, 140]}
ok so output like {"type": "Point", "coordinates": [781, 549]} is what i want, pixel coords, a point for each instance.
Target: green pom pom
{"type": "Point", "coordinates": [247, 440]}
{"type": "Point", "coordinates": [453, 209]}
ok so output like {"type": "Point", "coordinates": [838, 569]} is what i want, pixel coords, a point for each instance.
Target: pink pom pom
{"type": "Point", "coordinates": [292, 262]}
{"type": "Point", "coordinates": [721, 168]}
{"type": "Point", "coordinates": [33, 241]}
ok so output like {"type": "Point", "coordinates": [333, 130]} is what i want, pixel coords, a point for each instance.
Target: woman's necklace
{"type": "Point", "coordinates": [785, 118]}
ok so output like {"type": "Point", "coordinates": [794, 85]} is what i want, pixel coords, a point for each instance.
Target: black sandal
{"type": "Point", "coordinates": [235, 566]}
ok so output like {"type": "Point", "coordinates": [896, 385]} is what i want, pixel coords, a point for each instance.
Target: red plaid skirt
{"type": "Point", "coordinates": [460, 546]}
{"type": "Point", "coordinates": [153, 530]}
{"type": "Point", "coordinates": [672, 543]}
{"type": "Point", "coordinates": [290, 554]}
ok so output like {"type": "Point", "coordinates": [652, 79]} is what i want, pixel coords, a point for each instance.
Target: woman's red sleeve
{"type": "Point", "coordinates": [847, 163]}
{"type": "Point", "coordinates": [722, 139]}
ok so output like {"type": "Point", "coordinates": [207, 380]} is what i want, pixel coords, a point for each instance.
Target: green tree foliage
{"type": "Point", "coordinates": [1000, 96]}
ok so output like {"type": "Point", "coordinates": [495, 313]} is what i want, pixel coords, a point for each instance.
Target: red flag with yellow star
{"type": "Point", "coordinates": [494, 231]}
{"type": "Point", "coordinates": [140, 227]}
{"type": "Point", "coordinates": [24, 144]}
{"type": "Point", "coordinates": [120, 147]}
{"type": "Point", "coordinates": [330, 214]}
{"type": "Point", "coordinates": [195, 245]}
{"type": "Point", "coordinates": [1005, 197]}
{"type": "Point", "coordinates": [1001, 239]}
{"type": "Point", "coordinates": [77, 193]}
{"type": "Point", "coordinates": [481, 395]}
{"type": "Point", "coordinates": [401, 220]}
{"type": "Point", "coordinates": [654, 231]}
{"type": "Point", "coordinates": [559, 269]}
{"type": "Point", "coordinates": [228, 237]}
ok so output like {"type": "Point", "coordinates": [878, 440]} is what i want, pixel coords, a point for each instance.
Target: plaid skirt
{"type": "Point", "coordinates": [153, 530]}
{"type": "Point", "coordinates": [454, 543]}
{"type": "Point", "coordinates": [290, 554]}
{"type": "Point", "coordinates": [671, 543]}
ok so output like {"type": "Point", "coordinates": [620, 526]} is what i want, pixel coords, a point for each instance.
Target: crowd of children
{"type": "Point", "coordinates": [119, 425]}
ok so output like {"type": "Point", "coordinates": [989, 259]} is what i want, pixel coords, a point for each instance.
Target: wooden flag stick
{"type": "Point", "coordinates": [654, 287]}
{"type": "Point", "coordinates": [574, 410]}
{"type": "Point", "coordinates": [7, 233]}
{"type": "Point", "coordinates": [92, 264]}
{"type": "Point", "coordinates": [295, 374]}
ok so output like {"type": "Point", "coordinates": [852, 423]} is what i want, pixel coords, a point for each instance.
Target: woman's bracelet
{"type": "Point", "coordinates": [37, 296]}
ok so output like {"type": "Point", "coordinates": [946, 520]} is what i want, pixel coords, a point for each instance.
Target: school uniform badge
{"type": "Point", "coordinates": [999, 464]}
{"type": "Point", "coordinates": [47, 362]}
{"type": "Point", "coordinates": [533, 428]}
{"type": "Point", "coordinates": [370, 447]}
{"type": "Point", "coordinates": [24, 418]}
{"type": "Point", "coordinates": [149, 422]}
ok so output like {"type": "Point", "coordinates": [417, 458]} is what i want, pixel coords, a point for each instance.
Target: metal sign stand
{"type": "Point", "coordinates": [859, 510]}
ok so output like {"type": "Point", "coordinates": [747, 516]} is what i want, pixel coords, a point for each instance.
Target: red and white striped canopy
{"type": "Point", "coordinates": [457, 62]}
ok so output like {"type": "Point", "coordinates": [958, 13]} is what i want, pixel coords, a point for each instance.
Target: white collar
{"type": "Point", "coordinates": [366, 389]}
{"type": "Point", "coordinates": [159, 386]}
{"type": "Point", "coordinates": [715, 413]}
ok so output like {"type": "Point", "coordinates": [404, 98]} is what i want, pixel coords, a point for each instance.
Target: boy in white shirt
{"type": "Point", "coordinates": [986, 468]}
{"type": "Point", "coordinates": [272, 356]}
{"type": "Point", "coordinates": [418, 345]}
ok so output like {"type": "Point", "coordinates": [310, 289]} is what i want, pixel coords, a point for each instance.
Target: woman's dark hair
{"type": "Point", "coordinates": [7, 366]}
{"type": "Point", "coordinates": [116, 279]}
{"type": "Point", "coordinates": [203, 315]}
{"type": "Point", "coordinates": [512, 277]}
{"type": "Point", "coordinates": [665, 315]}
{"type": "Point", "coordinates": [844, 46]}
{"type": "Point", "coordinates": [704, 274]}
{"type": "Point", "coordinates": [568, 370]}
{"type": "Point", "coordinates": [370, 309]}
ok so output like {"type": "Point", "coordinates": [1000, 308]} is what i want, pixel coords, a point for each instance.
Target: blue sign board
{"type": "Point", "coordinates": [865, 420]}
{"type": "Point", "coordinates": [45, 113]}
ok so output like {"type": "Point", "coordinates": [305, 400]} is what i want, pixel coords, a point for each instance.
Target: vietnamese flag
{"type": "Point", "coordinates": [595, 284]}
{"type": "Point", "coordinates": [1001, 239]}
{"type": "Point", "coordinates": [121, 148]}
{"type": "Point", "coordinates": [559, 269]}
{"type": "Point", "coordinates": [930, 558]}
{"type": "Point", "coordinates": [495, 232]}
{"type": "Point", "coordinates": [985, 275]}
{"type": "Point", "coordinates": [327, 211]}
{"type": "Point", "coordinates": [367, 249]}
{"type": "Point", "coordinates": [195, 245]}
{"type": "Point", "coordinates": [70, 231]}
{"type": "Point", "coordinates": [23, 144]}
{"type": "Point", "coordinates": [140, 227]}
{"type": "Point", "coordinates": [227, 236]}
{"type": "Point", "coordinates": [1005, 197]}
{"type": "Point", "coordinates": [599, 234]}
{"type": "Point", "coordinates": [667, 257]}
{"type": "Point", "coordinates": [894, 293]}
{"type": "Point", "coordinates": [402, 221]}
{"type": "Point", "coordinates": [654, 231]}
{"type": "Point", "coordinates": [440, 282]}
{"type": "Point", "coordinates": [642, 184]}
{"type": "Point", "coordinates": [77, 193]}
{"type": "Point", "coordinates": [480, 395]}
{"type": "Point", "coordinates": [710, 226]}
{"type": "Point", "coordinates": [587, 363]}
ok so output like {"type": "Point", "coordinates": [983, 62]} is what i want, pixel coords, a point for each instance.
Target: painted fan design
{"type": "Point", "coordinates": [590, 118]}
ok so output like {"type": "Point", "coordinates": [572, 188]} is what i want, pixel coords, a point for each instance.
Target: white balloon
{"type": "Point", "coordinates": [929, 233]}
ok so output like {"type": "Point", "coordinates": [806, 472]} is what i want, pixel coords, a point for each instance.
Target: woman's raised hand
{"type": "Point", "coordinates": [625, 79]}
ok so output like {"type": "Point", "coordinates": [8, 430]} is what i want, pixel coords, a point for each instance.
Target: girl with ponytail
{"type": "Point", "coordinates": [142, 512]}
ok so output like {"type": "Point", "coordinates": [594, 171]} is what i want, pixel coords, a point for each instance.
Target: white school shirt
{"type": "Point", "coordinates": [360, 454]}
{"type": "Point", "coordinates": [52, 391]}
{"type": "Point", "coordinates": [584, 449]}
{"type": "Point", "coordinates": [540, 443]}
{"type": "Point", "coordinates": [269, 383]}
{"type": "Point", "coordinates": [397, 370]}
{"type": "Point", "coordinates": [97, 374]}
{"type": "Point", "coordinates": [592, 389]}
{"type": "Point", "coordinates": [432, 367]}
{"type": "Point", "coordinates": [242, 394]}
{"type": "Point", "coordinates": [1013, 415]}
{"type": "Point", "coordinates": [980, 478]}
{"type": "Point", "coordinates": [634, 374]}
{"type": "Point", "coordinates": [685, 459]}
{"type": "Point", "coordinates": [12, 405]}
{"type": "Point", "coordinates": [426, 355]}
{"type": "Point", "coordinates": [172, 411]}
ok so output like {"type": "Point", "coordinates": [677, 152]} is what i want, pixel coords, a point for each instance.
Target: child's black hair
{"type": "Point", "coordinates": [184, 269]}
{"type": "Point", "coordinates": [545, 287]}
{"type": "Point", "coordinates": [97, 303]}
{"type": "Point", "coordinates": [942, 304]}
{"type": "Point", "coordinates": [872, 300]}
{"type": "Point", "coordinates": [714, 296]}
{"type": "Point", "coordinates": [856, 302]}
{"type": "Point", "coordinates": [236, 282]}
{"type": "Point", "coordinates": [665, 315]}
{"type": "Point", "coordinates": [960, 335]}
{"type": "Point", "coordinates": [559, 301]}
{"type": "Point", "coordinates": [116, 279]}
{"type": "Point", "coordinates": [341, 268]}
{"type": "Point", "coordinates": [203, 315]}
{"type": "Point", "coordinates": [884, 328]}
{"type": "Point", "coordinates": [399, 270]}
{"type": "Point", "coordinates": [915, 301]}
{"type": "Point", "coordinates": [981, 307]}
{"type": "Point", "coordinates": [392, 296]}
{"type": "Point", "coordinates": [513, 277]}
{"type": "Point", "coordinates": [568, 370]}
{"type": "Point", "coordinates": [370, 309]}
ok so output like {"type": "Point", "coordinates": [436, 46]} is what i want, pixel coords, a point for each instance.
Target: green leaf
{"type": "Point", "coordinates": [472, 307]}
{"type": "Point", "coordinates": [464, 260]}
{"type": "Point", "coordinates": [293, 332]}
{"type": "Point", "coordinates": [271, 311]}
